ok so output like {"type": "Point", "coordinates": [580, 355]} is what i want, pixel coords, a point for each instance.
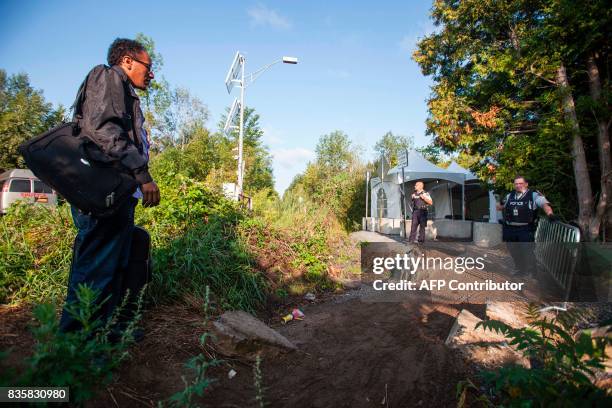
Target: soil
{"type": "Point", "coordinates": [351, 354]}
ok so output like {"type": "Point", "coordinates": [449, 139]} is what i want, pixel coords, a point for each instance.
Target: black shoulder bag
{"type": "Point", "coordinates": [61, 158]}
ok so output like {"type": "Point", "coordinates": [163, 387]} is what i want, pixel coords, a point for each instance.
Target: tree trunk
{"type": "Point", "coordinates": [581, 173]}
{"type": "Point", "coordinates": [603, 145]}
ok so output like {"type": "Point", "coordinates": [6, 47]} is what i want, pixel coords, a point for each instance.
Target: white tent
{"type": "Point", "coordinates": [400, 180]}
{"type": "Point", "coordinates": [419, 168]}
{"type": "Point", "coordinates": [386, 194]}
{"type": "Point", "coordinates": [469, 176]}
{"type": "Point", "coordinates": [457, 168]}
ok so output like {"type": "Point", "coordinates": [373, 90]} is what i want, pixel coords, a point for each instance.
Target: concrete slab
{"type": "Point", "coordinates": [487, 235]}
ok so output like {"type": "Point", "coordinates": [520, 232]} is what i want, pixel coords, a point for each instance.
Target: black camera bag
{"type": "Point", "coordinates": [62, 159]}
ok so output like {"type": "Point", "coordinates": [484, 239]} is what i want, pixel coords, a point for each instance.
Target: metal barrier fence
{"type": "Point", "coordinates": [556, 250]}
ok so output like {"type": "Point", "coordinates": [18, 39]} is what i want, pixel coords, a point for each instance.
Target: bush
{"type": "Point", "coordinates": [35, 248]}
{"type": "Point", "coordinates": [563, 361]}
{"type": "Point", "coordinates": [82, 360]}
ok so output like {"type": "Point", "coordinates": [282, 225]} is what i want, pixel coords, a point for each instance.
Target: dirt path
{"type": "Point", "coordinates": [351, 353]}
{"type": "Point", "coordinates": [357, 354]}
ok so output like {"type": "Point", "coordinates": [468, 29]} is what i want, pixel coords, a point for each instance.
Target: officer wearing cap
{"type": "Point", "coordinates": [520, 209]}
{"type": "Point", "coordinates": [420, 200]}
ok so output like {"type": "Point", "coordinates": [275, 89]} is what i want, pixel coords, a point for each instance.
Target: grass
{"type": "Point", "coordinates": [36, 247]}
{"type": "Point", "coordinates": [83, 360]}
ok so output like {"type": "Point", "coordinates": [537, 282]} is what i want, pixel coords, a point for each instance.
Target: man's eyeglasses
{"type": "Point", "coordinates": [149, 66]}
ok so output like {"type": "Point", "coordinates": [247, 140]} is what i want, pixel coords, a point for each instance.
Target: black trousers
{"type": "Point", "coordinates": [101, 256]}
{"type": "Point", "coordinates": [520, 245]}
{"type": "Point", "coordinates": [419, 218]}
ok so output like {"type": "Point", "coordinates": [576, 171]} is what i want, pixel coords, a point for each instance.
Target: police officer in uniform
{"type": "Point", "coordinates": [520, 209]}
{"type": "Point", "coordinates": [420, 200]}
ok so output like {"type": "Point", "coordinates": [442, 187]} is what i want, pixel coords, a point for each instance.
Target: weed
{"type": "Point", "coordinates": [563, 361]}
{"type": "Point", "coordinates": [199, 365]}
{"type": "Point", "coordinates": [258, 382]}
{"type": "Point", "coordinates": [82, 360]}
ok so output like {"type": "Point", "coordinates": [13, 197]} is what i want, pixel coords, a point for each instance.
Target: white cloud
{"type": "Point", "coordinates": [263, 16]}
{"type": "Point", "coordinates": [288, 163]}
{"type": "Point", "coordinates": [272, 137]}
{"type": "Point", "coordinates": [290, 159]}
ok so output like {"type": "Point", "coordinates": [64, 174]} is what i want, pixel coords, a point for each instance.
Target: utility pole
{"type": "Point", "coordinates": [241, 133]}
{"type": "Point", "coordinates": [235, 72]}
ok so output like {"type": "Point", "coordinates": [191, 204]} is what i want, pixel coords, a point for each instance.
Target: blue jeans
{"type": "Point", "coordinates": [100, 257]}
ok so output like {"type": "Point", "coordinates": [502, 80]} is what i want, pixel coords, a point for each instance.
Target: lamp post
{"type": "Point", "coordinates": [236, 76]}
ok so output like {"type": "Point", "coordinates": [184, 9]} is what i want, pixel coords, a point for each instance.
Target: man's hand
{"type": "Point", "coordinates": [553, 218]}
{"type": "Point", "coordinates": [150, 194]}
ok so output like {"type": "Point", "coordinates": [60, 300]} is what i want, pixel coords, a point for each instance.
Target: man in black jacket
{"type": "Point", "coordinates": [113, 119]}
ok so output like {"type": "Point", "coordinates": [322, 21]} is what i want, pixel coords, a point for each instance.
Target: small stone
{"type": "Point", "coordinates": [232, 373]}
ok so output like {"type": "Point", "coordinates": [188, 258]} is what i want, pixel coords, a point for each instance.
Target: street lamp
{"type": "Point", "coordinates": [236, 76]}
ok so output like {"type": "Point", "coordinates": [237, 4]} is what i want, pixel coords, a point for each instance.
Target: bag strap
{"type": "Point", "coordinates": [77, 106]}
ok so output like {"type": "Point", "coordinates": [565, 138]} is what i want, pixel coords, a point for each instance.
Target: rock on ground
{"type": "Point", "coordinates": [238, 333]}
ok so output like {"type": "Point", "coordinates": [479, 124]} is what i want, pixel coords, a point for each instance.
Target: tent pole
{"type": "Point", "coordinates": [366, 203]}
{"type": "Point", "coordinates": [404, 214]}
{"type": "Point", "coordinates": [449, 190]}
{"type": "Point", "coordinates": [463, 201]}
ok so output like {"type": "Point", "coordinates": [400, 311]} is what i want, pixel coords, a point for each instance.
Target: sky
{"type": "Point", "coordinates": [355, 71]}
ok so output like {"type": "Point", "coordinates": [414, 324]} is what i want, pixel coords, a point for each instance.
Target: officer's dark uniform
{"type": "Point", "coordinates": [419, 218]}
{"type": "Point", "coordinates": [520, 212]}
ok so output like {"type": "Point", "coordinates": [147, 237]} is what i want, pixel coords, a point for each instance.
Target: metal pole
{"type": "Point", "coordinates": [449, 190]}
{"type": "Point", "coordinates": [367, 188]}
{"type": "Point", "coordinates": [463, 201]}
{"type": "Point", "coordinates": [241, 134]}
{"type": "Point", "coordinates": [405, 213]}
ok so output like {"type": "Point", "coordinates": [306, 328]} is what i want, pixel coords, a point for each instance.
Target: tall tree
{"type": "Point", "coordinates": [390, 146]}
{"type": "Point", "coordinates": [24, 113]}
{"type": "Point", "coordinates": [258, 161]}
{"type": "Point", "coordinates": [334, 152]}
{"type": "Point", "coordinates": [510, 81]}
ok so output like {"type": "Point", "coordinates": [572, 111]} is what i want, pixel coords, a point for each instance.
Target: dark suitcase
{"type": "Point", "coordinates": [137, 274]}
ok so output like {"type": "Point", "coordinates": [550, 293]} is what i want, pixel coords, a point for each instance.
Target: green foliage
{"type": "Point", "coordinates": [390, 146]}
{"type": "Point", "coordinates": [258, 161]}
{"type": "Point", "coordinates": [495, 96]}
{"type": "Point", "coordinates": [173, 116]}
{"type": "Point", "coordinates": [82, 360]}
{"type": "Point", "coordinates": [335, 180]}
{"type": "Point", "coordinates": [196, 245]}
{"type": "Point", "coordinates": [199, 365]}
{"type": "Point", "coordinates": [563, 361]}
{"type": "Point", "coordinates": [23, 115]}
{"type": "Point", "coordinates": [36, 249]}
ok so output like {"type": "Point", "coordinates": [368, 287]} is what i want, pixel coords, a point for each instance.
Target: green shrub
{"type": "Point", "coordinates": [82, 360]}
{"type": "Point", "coordinates": [563, 361]}
{"type": "Point", "coordinates": [199, 366]}
{"type": "Point", "coordinates": [196, 244]}
{"type": "Point", "coordinates": [35, 248]}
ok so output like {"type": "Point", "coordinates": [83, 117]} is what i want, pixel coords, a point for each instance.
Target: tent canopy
{"type": "Point", "coordinates": [454, 167]}
{"type": "Point", "coordinates": [419, 168]}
